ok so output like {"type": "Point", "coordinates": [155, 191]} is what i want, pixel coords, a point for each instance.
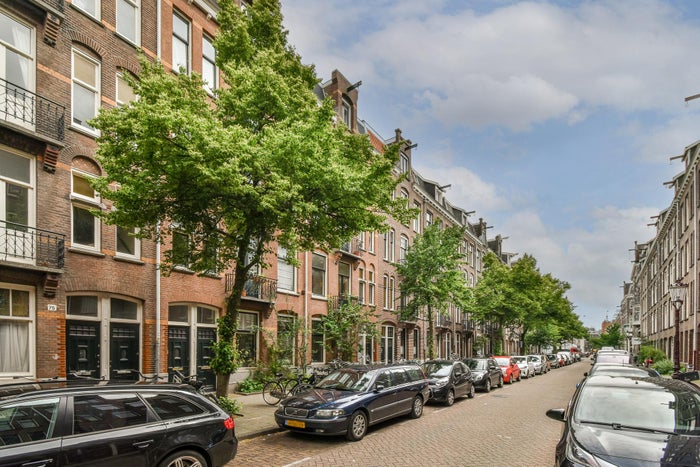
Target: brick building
{"type": "Point", "coordinates": [80, 296]}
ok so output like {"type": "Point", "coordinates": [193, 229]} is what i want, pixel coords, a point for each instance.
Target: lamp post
{"type": "Point", "coordinates": [677, 291]}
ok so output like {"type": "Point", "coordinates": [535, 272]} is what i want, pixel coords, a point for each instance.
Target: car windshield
{"type": "Point", "coordinates": [520, 359]}
{"type": "Point", "coordinates": [438, 369]}
{"type": "Point", "coordinates": [503, 361]}
{"type": "Point", "coordinates": [344, 379]}
{"type": "Point", "coordinates": [476, 364]}
{"type": "Point", "coordinates": [662, 409]}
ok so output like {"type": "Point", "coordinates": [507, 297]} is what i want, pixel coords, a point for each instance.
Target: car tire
{"type": "Point", "coordinates": [416, 407]}
{"type": "Point", "coordinates": [511, 379]}
{"type": "Point", "coordinates": [184, 459]}
{"type": "Point", "coordinates": [472, 392]}
{"type": "Point", "coordinates": [357, 426]}
{"type": "Point", "coordinates": [500, 381]}
{"type": "Point", "coordinates": [450, 398]}
{"type": "Point", "coordinates": [487, 386]}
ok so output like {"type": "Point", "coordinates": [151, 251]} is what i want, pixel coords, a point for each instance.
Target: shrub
{"type": "Point", "coordinates": [648, 351]}
{"type": "Point", "coordinates": [250, 385]}
{"type": "Point", "coordinates": [231, 406]}
{"type": "Point", "coordinates": [665, 366]}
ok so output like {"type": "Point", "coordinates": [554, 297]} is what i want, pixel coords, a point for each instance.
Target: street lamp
{"type": "Point", "coordinates": [677, 291]}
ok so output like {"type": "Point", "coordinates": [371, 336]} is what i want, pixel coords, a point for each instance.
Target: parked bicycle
{"type": "Point", "coordinates": [281, 387]}
{"type": "Point", "coordinates": [196, 383]}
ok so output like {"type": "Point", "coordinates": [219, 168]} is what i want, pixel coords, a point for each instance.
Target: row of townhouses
{"type": "Point", "coordinates": [78, 296]}
{"type": "Point", "coordinates": [651, 312]}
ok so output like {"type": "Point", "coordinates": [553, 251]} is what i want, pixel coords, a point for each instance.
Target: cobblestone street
{"type": "Point", "coordinates": [507, 426]}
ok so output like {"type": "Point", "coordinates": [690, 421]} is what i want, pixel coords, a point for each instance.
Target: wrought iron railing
{"type": "Point", "coordinates": [31, 245]}
{"type": "Point", "coordinates": [353, 246]}
{"type": "Point", "coordinates": [256, 287]}
{"type": "Point", "coordinates": [337, 301]}
{"type": "Point", "coordinates": [58, 5]}
{"type": "Point", "coordinates": [30, 110]}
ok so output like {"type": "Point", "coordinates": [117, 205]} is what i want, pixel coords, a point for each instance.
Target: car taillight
{"type": "Point", "coordinates": [229, 423]}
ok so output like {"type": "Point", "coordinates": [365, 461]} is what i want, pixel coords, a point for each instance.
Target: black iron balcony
{"type": "Point", "coordinates": [51, 5]}
{"type": "Point", "coordinates": [256, 287]}
{"type": "Point", "coordinates": [338, 301]}
{"type": "Point", "coordinates": [352, 247]}
{"type": "Point", "coordinates": [38, 247]}
{"type": "Point", "coordinates": [29, 110]}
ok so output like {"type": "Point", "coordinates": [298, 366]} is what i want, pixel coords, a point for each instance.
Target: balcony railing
{"type": "Point", "coordinates": [38, 247]}
{"type": "Point", "coordinates": [29, 110]}
{"type": "Point", "coordinates": [352, 247]}
{"type": "Point", "coordinates": [58, 5]}
{"type": "Point", "coordinates": [337, 301]}
{"type": "Point", "coordinates": [256, 287]}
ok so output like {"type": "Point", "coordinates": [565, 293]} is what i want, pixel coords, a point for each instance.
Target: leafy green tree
{"type": "Point", "coordinates": [612, 336]}
{"type": "Point", "coordinates": [259, 162]}
{"type": "Point", "coordinates": [546, 335]}
{"type": "Point", "coordinates": [344, 326]}
{"type": "Point", "coordinates": [431, 277]}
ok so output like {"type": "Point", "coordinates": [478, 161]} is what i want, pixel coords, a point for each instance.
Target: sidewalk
{"type": "Point", "coordinates": [258, 417]}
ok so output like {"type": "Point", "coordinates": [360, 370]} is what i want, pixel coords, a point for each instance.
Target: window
{"type": "Point", "coordinates": [128, 245]}
{"type": "Point", "coordinates": [210, 74]}
{"type": "Point", "coordinates": [416, 342]}
{"type": "Point", "coordinates": [347, 112]}
{"type": "Point", "coordinates": [181, 250]}
{"type": "Point", "coordinates": [286, 337]}
{"type": "Point", "coordinates": [318, 275]}
{"type": "Point", "coordinates": [370, 286]}
{"type": "Point", "coordinates": [370, 242]}
{"type": "Point", "coordinates": [386, 292]}
{"type": "Point", "coordinates": [181, 43]}
{"type": "Point", "coordinates": [17, 204]}
{"type": "Point", "coordinates": [428, 218]}
{"type": "Point", "coordinates": [343, 279]}
{"type": "Point", "coordinates": [91, 7]}
{"type": "Point", "coordinates": [171, 407]}
{"type": "Point", "coordinates": [362, 285]}
{"type": "Point", "coordinates": [392, 234]}
{"type": "Point", "coordinates": [403, 163]}
{"type": "Point", "coordinates": [16, 330]}
{"type": "Point", "coordinates": [286, 273]}
{"type": "Point", "coordinates": [128, 20]}
{"type": "Point", "coordinates": [403, 248]}
{"type": "Point", "coordinates": [318, 341]}
{"type": "Point", "coordinates": [86, 90]}
{"type": "Point", "coordinates": [103, 412]}
{"type": "Point", "coordinates": [17, 68]}
{"type": "Point", "coordinates": [416, 220]}
{"type": "Point", "coordinates": [123, 309]}
{"type": "Point", "coordinates": [125, 93]}
{"type": "Point", "coordinates": [85, 231]}
{"type": "Point", "coordinates": [392, 292]}
{"type": "Point", "coordinates": [247, 337]}
{"type": "Point", "coordinates": [26, 422]}
{"type": "Point", "coordinates": [387, 344]}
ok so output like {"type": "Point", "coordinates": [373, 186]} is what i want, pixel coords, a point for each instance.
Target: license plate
{"type": "Point", "coordinates": [295, 424]}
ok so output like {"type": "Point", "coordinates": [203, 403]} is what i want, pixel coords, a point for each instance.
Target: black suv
{"type": "Point", "coordinates": [57, 424]}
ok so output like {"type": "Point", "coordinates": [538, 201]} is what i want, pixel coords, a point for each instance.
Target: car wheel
{"type": "Point", "coordinates": [184, 459]}
{"type": "Point", "coordinates": [487, 386]}
{"type": "Point", "coordinates": [417, 407]}
{"type": "Point", "coordinates": [511, 379]}
{"type": "Point", "coordinates": [450, 398]}
{"type": "Point", "coordinates": [357, 426]}
{"type": "Point", "coordinates": [472, 392]}
{"type": "Point", "coordinates": [500, 381]}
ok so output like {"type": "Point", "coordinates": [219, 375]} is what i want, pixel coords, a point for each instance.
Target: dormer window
{"type": "Point", "coordinates": [403, 163]}
{"type": "Point", "coordinates": [347, 112]}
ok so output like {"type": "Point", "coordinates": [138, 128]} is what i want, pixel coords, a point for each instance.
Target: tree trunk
{"type": "Point", "coordinates": [431, 331]}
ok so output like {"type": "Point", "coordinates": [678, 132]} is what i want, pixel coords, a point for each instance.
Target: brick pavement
{"type": "Point", "coordinates": [257, 417]}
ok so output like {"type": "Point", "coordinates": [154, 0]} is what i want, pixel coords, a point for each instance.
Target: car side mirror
{"type": "Point", "coordinates": [378, 387]}
{"type": "Point", "coordinates": [585, 374]}
{"type": "Point", "coordinates": [556, 414]}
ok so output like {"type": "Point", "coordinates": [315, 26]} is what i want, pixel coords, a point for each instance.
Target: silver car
{"type": "Point", "coordinates": [539, 364]}
{"type": "Point", "coordinates": [527, 368]}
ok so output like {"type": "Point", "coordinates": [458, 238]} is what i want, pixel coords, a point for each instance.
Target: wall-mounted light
{"type": "Point", "coordinates": [354, 86]}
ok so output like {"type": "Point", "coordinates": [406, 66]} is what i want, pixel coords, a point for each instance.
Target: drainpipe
{"type": "Point", "coordinates": [695, 265]}
{"type": "Point", "coordinates": [157, 344]}
{"type": "Point", "coordinates": [306, 301]}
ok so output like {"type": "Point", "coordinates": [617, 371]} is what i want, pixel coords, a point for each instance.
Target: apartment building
{"type": "Point", "coordinates": [670, 257]}
{"type": "Point", "coordinates": [78, 296]}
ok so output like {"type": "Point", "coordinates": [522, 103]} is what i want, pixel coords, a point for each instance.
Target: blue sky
{"type": "Point", "coordinates": [554, 120]}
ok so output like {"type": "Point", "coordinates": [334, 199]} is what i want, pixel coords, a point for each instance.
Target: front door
{"type": "Point", "coordinates": [178, 350]}
{"type": "Point", "coordinates": [205, 337]}
{"type": "Point", "coordinates": [82, 349]}
{"type": "Point", "coordinates": [124, 351]}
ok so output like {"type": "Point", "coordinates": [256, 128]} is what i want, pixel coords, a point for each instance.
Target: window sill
{"type": "Point", "coordinates": [83, 130]}
{"type": "Point", "coordinates": [85, 251]}
{"type": "Point", "coordinates": [183, 270]}
{"type": "Point", "coordinates": [319, 297]}
{"type": "Point", "coordinates": [288, 292]}
{"type": "Point", "coordinates": [126, 259]}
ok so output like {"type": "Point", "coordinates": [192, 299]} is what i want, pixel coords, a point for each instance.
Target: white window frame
{"type": "Point", "coordinates": [385, 279]}
{"type": "Point", "coordinates": [209, 62]}
{"type": "Point", "coordinates": [284, 265]}
{"type": "Point", "coordinates": [95, 90]}
{"type": "Point", "coordinates": [97, 5]}
{"type": "Point", "coordinates": [371, 286]}
{"type": "Point", "coordinates": [325, 275]}
{"type": "Point", "coordinates": [137, 244]}
{"type": "Point", "coordinates": [84, 202]}
{"type": "Point", "coordinates": [135, 5]}
{"type": "Point", "coordinates": [192, 323]}
{"type": "Point", "coordinates": [28, 53]}
{"type": "Point", "coordinates": [362, 285]}
{"type": "Point", "coordinates": [403, 248]}
{"type": "Point", "coordinates": [416, 220]}
{"type": "Point", "coordinates": [120, 100]}
{"type": "Point", "coordinates": [31, 325]}
{"type": "Point", "coordinates": [186, 41]}
{"type": "Point", "coordinates": [5, 180]}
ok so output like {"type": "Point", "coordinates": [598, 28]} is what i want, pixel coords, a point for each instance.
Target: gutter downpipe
{"type": "Point", "coordinates": [306, 301]}
{"type": "Point", "coordinates": [695, 264]}
{"type": "Point", "coordinates": [158, 336]}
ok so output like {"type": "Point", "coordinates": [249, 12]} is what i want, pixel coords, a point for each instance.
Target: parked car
{"type": "Point", "coordinates": [630, 421]}
{"type": "Point", "coordinates": [449, 379]}
{"type": "Point", "coordinates": [148, 424]}
{"type": "Point", "coordinates": [351, 399]}
{"type": "Point", "coordinates": [617, 369]}
{"type": "Point", "coordinates": [527, 368]}
{"type": "Point", "coordinates": [540, 367]}
{"type": "Point", "coordinates": [485, 372]}
{"type": "Point", "coordinates": [612, 356]}
{"type": "Point", "coordinates": [546, 362]}
{"type": "Point", "coordinates": [553, 360]}
{"type": "Point", "coordinates": [510, 369]}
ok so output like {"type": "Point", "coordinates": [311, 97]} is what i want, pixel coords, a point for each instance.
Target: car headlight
{"type": "Point", "coordinates": [579, 456]}
{"type": "Point", "coordinates": [441, 382]}
{"type": "Point", "coordinates": [479, 377]}
{"type": "Point", "coordinates": [329, 413]}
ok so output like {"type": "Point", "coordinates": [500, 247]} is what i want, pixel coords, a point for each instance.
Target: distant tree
{"type": "Point", "coordinates": [546, 335]}
{"type": "Point", "coordinates": [344, 326]}
{"type": "Point", "coordinates": [432, 278]}
{"type": "Point", "coordinates": [612, 337]}
{"type": "Point", "coordinates": [258, 162]}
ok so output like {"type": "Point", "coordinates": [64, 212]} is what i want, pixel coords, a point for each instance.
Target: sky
{"type": "Point", "coordinates": [555, 121]}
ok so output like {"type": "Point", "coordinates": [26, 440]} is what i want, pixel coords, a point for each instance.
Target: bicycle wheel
{"type": "Point", "coordinates": [272, 392]}
{"type": "Point", "coordinates": [290, 385]}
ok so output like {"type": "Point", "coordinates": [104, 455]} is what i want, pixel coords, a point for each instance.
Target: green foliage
{"type": "Point", "coordinates": [277, 356]}
{"type": "Point", "coordinates": [344, 325]}
{"type": "Point", "coordinates": [664, 366]}
{"type": "Point", "coordinates": [249, 385]}
{"type": "Point", "coordinates": [612, 337]}
{"type": "Point", "coordinates": [431, 277]}
{"type": "Point", "coordinates": [224, 359]}
{"type": "Point", "coordinates": [230, 406]}
{"type": "Point", "coordinates": [649, 351]}
{"type": "Point", "coordinates": [546, 335]}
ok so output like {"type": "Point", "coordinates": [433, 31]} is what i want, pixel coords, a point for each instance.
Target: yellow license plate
{"type": "Point", "coordinates": [295, 424]}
